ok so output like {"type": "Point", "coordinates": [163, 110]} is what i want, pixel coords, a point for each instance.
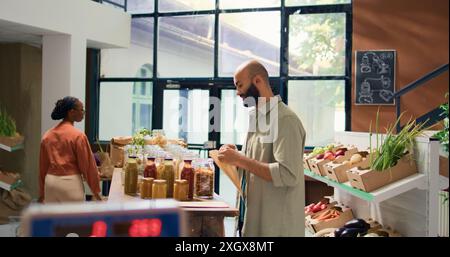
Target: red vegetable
{"type": "Point", "coordinates": [339, 153]}
{"type": "Point", "coordinates": [328, 154]}
{"type": "Point", "coordinates": [320, 156]}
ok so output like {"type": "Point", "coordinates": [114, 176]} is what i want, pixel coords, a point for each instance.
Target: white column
{"type": "Point", "coordinates": [63, 73]}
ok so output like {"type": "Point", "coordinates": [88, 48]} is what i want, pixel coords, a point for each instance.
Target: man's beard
{"type": "Point", "coordinates": [251, 96]}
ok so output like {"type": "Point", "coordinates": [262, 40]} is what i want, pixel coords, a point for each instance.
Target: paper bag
{"type": "Point", "coordinates": [117, 147]}
{"type": "Point", "coordinates": [106, 166]}
{"type": "Point", "coordinates": [230, 170]}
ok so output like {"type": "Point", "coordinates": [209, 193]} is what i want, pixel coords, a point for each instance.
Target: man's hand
{"type": "Point", "coordinates": [230, 156]}
{"type": "Point", "coordinates": [226, 146]}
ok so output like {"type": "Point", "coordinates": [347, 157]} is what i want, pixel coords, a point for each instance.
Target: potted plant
{"type": "Point", "coordinates": [442, 136]}
{"type": "Point", "coordinates": [8, 133]}
{"type": "Point", "coordinates": [394, 146]}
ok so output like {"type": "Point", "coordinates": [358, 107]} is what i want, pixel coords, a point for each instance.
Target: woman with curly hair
{"type": "Point", "coordinates": [66, 157]}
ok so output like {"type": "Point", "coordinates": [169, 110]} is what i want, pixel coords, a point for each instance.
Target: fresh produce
{"type": "Point", "coordinates": [350, 232]}
{"type": "Point", "coordinates": [329, 155]}
{"type": "Point", "coordinates": [442, 135]}
{"type": "Point", "coordinates": [328, 215]}
{"type": "Point", "coordinates": [353, 228]}
{"type": "Point", "coordinates": [355, 158]}
{"type": "Point", "coordinates": [7, 124]}
{"type": "Point", "coordinates": [395, 146]}
{"type": "Point", "coordinates": [338, 232]}
{"type": "Point", "coordinates": [315, 207]}
{"type": "Point", "coordinates": [321, 150]}
{"type": "Point", "coordinates": [357, 223]}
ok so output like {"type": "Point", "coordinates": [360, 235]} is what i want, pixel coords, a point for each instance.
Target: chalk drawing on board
{"type": "Point", "coordinates": [365, 95]}
{"type": "Point", "coordinates": [375, 77]}
{"type": "Point", "coordinates": [378, 64]}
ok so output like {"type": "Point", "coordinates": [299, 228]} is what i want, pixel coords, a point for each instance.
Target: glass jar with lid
{"type": "Point", "coordinates": [180, 190]}
{"type": "Point", "coordinates": [131, 177]}
{"type": "Point", "coordinates": [166, 171]}
{"type": "Point", "coordinates": [146, 188]}
{"type": "Point", "coordinates": [159, 189]}
{"type": "Point", "coordinates": [150, 168]}
{"type": "Point", "coordinates": [204, 180]}
{"type": "Point", "coordinates": [187, 173]}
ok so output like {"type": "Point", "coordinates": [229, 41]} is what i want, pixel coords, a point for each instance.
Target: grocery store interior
{"type": "Point", "coordinates": [130, 118]}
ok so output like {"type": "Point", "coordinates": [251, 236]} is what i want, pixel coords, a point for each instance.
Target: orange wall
{"type": "Point", "coordinates": [419, 31]}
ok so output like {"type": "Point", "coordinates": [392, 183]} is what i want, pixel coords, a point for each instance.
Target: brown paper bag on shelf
{"type": "Point", "coordinates": [106, 166]}
{"type": "Point", "coordinates": [117, 147]}
{"type": "Point", "coordinates": [230, 171]}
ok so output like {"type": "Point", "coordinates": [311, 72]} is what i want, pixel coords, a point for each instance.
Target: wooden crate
{"type": "Point", "coordinates": [315, 226]}
{"type": "Point", "coordinates": [335, 170]}
{"type": "Point", "coordinates": [369, 180]}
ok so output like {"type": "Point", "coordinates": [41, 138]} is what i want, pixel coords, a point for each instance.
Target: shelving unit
{"type": "Point", "coordinates": [11, 149]}
{"type": "Point", "coordinates": [409, 205]}
{"type": "Point", "coordinates": [381, 194]}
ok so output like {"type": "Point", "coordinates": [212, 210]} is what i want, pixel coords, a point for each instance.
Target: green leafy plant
{"type": "Point", "coordinates": [442, 135]}
{"type": "Point", "coordinates": [138, 138]}
{"type": "Point", "coordinates": [394, 146]}
{"type": "Point", "coordinates": [7, 124]}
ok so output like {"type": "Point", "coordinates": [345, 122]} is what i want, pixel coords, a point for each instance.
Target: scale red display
{"type": "Point", "coordinates": [136, 228]}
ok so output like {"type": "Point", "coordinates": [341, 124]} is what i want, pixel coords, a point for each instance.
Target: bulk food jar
{"type": "Point", "coordinates": [204, 179]}
{"type": "Point", "coordinates": [150, 168]}
{"type": "Point", "coordinates": [187, 173]}
{"type": "Point", "coordinates": [131, 177]}
{"type": "Point", "coordinates": [166, 171]}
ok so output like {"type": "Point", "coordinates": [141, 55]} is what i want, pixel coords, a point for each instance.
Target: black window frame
{"type": "Point", "coordinates": [216, 83]}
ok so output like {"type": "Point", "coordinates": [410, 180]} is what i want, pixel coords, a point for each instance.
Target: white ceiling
{"type": "Point", "coordinates": [16, 33]}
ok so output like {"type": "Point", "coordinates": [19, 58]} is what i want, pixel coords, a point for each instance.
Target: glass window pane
{"type": "Point", "coordinates": [234, 119]}
{"type": "Point", "coordinates": [122, 111]}
{"type": "Point", "coordinates": [145, 116]}
{"type": "Point", "coordinates": [130, 62]}
{"type": "Point", "coordinates": [186, 46]}
{"type": "Point", "coordinates": [315, 2]}
{"type": "Point", "coordinates": [245, 36]}
{"type": "Point", "coordinates": [320, 105]}
{"type": "Point", "coordinates": [186, 115]}
{"type": "Point", "coordinates": [317, 44]}
{"type": "Point", "coordinates": [140, 6]}
{"type": "Point", "coordinates": [233, 4]}
{"type": "Point", "coordinates": [185, 5]}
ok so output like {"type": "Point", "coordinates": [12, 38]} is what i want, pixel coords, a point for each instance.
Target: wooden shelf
{"type": "Point", "coordinates": [11, 149]}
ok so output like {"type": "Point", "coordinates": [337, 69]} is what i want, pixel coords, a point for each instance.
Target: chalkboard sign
{"type": "Point", "coordinates": [375, 77]}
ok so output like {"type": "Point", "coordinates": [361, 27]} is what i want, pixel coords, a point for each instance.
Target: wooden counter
{"type": "Point", "coordinates": [204, 217]}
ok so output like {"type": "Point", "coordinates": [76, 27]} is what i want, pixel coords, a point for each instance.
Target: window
{"type": "Point", "coordinates": [233, 4]}
{"type": "Point", "coordinates": [317, 44]}
{"type": "Point", "coordinates": [125, 62]}
{"type": "Point", "coordinates": [185, 115]}
{"type": "Point", "coordinates": [306, 51]}
{"type": "Point", "coordinates": [186, 46]}
{"type": "Point", "coordinates": [315, 2]}
{"type": "Point", "coordinates": [234, 119]}
{"type": "Point", "coordinates": [185, 5]}
{"type": "Point", "coordinates": [245, 36]}
{"type": "Point", "coordinates": [140, 6]}
{"type": "Point", "coordinates": [320, 106]}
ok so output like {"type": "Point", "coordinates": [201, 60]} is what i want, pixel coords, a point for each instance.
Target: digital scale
{"type": "Point", "coordinates": [145, 218]}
